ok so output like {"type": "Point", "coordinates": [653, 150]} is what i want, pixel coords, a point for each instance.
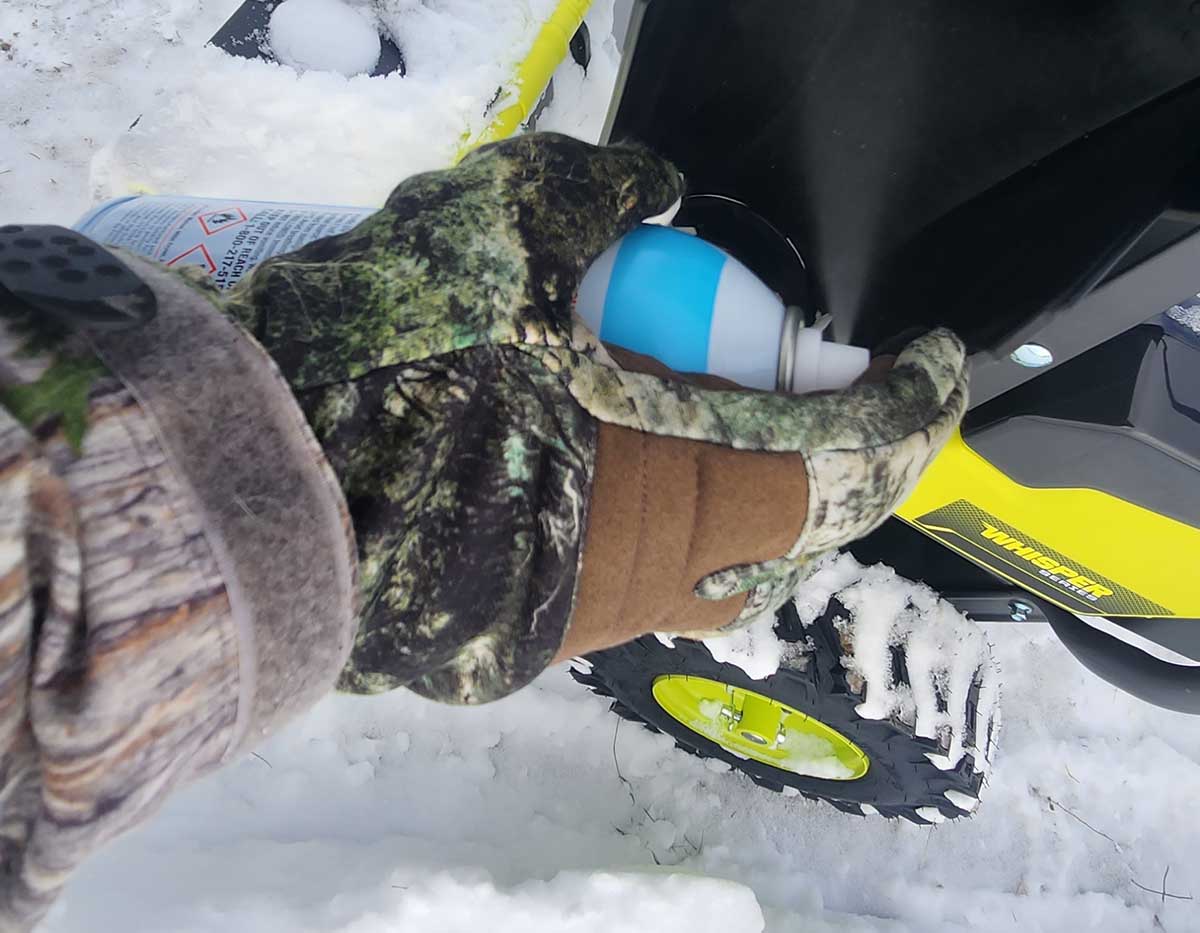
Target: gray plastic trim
{"type": "Point", "coordinates": [1129, 299]}
{"type": "Point", "coordinates": [1048, 453]}
{"type": "Point", "coordinates": [633, 29]}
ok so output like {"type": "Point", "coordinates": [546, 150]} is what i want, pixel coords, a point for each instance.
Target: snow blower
{"type": "Point", "coordinates": [1026, 174]}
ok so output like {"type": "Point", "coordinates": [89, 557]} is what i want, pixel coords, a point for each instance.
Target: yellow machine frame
{"type": "Point", "coordinates": [519, 99]}
{"type": "Point", "coordinates": [1081, 549]}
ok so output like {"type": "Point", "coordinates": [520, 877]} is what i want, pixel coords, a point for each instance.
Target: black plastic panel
{"type": "Point", "coordinates": [919, 557]}
{"type": "Point", "coordinates": [1123, 418]}
{"type": "Point", "coordinates": [938, 162]}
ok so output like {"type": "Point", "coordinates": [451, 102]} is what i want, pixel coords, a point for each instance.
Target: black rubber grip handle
{"type": "Point", "coordinates": [66, 275]}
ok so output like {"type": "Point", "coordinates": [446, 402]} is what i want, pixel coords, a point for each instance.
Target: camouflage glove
{"type": "Point", "coordinates": [478, 429]}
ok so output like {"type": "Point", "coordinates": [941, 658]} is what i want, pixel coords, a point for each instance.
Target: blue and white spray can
{"type": "Point", "coordinates": [673, 296]}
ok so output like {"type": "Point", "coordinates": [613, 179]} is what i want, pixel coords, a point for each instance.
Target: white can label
{"type": "Point", "coordinates": [225, 238]}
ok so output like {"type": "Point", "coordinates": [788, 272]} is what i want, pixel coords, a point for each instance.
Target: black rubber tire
{"type": "Point", "coordinates": [901, 780]}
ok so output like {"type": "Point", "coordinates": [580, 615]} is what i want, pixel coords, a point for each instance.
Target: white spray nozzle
{"type": "Point", "coordinates": [822, 366]}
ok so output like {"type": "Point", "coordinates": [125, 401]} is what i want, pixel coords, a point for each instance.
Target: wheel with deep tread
{"type": "Point", "coordinates": [903, 779]}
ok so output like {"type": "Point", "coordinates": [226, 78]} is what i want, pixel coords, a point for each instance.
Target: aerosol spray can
{"type": "Point", "coordinates": [225, 238]}
{"type": "Point", "coordinates": [678, 298]}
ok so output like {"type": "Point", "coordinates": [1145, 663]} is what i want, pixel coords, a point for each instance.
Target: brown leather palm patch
{"type": "Point", "coordinates": [664, 514]}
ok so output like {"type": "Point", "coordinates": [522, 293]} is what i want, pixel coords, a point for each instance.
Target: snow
{"type": "Point", "coordinates": [368, 802]}
{"type": "Point", "coordinates": [324, 35]}
{"type": "Point", "coordinates": [103, 99]}
{"type": "Point", "coordinates": [1188, 316]}
{"type": "Point", "coordinates": [544, 811]}
{"type": "Point", "coordinates": [961, 800]}
{"type": "Point", "coordinates": [814, 756]}
{"type": "Point", "coordinates": [943, 650]}
{"type": "Point", "coordinates": [581, 101]}
{"type": "Point", "coordinates": [754, 649]}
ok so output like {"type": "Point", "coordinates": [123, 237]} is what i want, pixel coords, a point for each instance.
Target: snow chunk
{"type": "Point", "coordinates": [579, 903]}
{"type": "Point", "coordinates": [814, 756]}
{"type": "Point", "coordinates": [581, 101]}
{"type": "Point", "coordinates": [324, 35]}
{"type": "Point", "coordinates": [962, 801]}
{"type": "Point", "coordinates": [1188, 316]}
{"type": "Point", "coordinates": [755, 649]}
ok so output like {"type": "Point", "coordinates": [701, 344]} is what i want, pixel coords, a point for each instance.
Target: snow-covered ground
{"type": "Point", "coordinates": [102, 97]}
{"type": "Point", "coordinates": [541, 812]}
{"type": "Point", "coordinates": [393, 815]}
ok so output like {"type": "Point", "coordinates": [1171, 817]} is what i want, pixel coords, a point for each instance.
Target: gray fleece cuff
{"type": "Point", "coordinates": [271, 507]}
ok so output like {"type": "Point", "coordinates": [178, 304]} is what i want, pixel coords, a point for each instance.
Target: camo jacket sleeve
{"type": "Point", "coordinates": [176, 572]}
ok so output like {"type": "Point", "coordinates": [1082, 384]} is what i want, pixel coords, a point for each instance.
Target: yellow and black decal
{"type": "Point", "coordinates": [1037, 567]}
{"type": "Point", "coordinates": [1083, 549]}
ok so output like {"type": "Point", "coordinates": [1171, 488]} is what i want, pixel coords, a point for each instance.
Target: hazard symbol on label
{"type": "Point", "coordinates": [226, 217]}
{"type": "Point", "coordinates": [196, 256]}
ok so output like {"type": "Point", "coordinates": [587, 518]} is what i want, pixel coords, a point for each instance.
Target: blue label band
{"type": "Point", "coordinates": [660, 298]}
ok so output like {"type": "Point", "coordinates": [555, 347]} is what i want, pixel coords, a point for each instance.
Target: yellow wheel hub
{"type": "Point", "coordinates": [754, 726]}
